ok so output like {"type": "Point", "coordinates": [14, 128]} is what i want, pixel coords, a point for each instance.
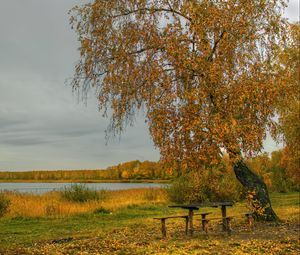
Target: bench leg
{"type": "Point", "coordinates": [228, 226]}
{"type": "Point", "coordinates": [250, 221]}
{"type": "Point", "coordinates": [186, 225]}
{"type": "Point", "coordinates": [163, 228]}
{"type": "Point", "coordinates": [205, 225]}
{"type": "Point", "coordinates": [223, 210]}
{"type": "Point", "coordinates": [203, 220]}
{"type": "Point", "coordinates": [191, 214]}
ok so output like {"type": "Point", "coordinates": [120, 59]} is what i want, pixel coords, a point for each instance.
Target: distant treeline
{"type": "Point", "coordinates": [128, 170]}
{"type": "Point", "coordinates": [279, 171]}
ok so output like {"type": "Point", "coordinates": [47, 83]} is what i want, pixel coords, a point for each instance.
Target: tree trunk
{"type": "Point", "coordinates": [255, 185]}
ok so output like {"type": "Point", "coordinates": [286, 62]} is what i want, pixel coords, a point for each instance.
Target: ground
{"type": "Point", "coordinates": [132, 230]}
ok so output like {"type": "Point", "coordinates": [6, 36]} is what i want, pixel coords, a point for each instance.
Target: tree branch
{"type": "Point", "coordinates": [152, 10]}
{"type": "Point", "coordinates": [209, 58]}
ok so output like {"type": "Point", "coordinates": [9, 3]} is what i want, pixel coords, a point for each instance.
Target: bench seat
{"type": "Point", "coordinates": [186, 217]}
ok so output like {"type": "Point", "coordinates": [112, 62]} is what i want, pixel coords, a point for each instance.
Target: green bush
{"type": "Point", "coordinates": [205, 185]}
{"type": "Point", "coordinates": [101, 210]}
{"type": "Point", "coordinates": [179, 190]}
{"type": "Point", "coordinates": [4, 204]}
{"type": "Point", "coordinates": [80, 193]}
{"type": "Point", "coordinates": [280, 181]}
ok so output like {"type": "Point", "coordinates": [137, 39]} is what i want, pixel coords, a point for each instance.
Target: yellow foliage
{"type": "Point", "coordinates": [207, 76]}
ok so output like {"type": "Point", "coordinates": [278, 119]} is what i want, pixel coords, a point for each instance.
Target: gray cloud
{"type": "Point", "coordinates": [22, 141]}
{"type": "Point", "coordinates": [42, 125]}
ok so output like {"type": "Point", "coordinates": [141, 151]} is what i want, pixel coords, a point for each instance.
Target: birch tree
{"type": "Point", "coordinates": [202, 70]}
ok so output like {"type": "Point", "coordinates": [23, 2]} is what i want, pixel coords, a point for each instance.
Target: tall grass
{"type": "Point", "coordinates": [4, 204]}
{"type": "Point", "coordinates": [53, 204]}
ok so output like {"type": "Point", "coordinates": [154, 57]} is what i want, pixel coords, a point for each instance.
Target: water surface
{"type": "Point", "coordinates": [43, 187]}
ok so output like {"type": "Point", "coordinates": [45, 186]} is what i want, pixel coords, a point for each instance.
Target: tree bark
{"type": "Point", "coordinates": [254, 184]}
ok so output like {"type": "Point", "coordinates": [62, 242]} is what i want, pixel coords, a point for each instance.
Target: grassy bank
{"type": "Point", "coordinates": [126, 227]}
{"type": "Point", "coordinates": [53, 204]}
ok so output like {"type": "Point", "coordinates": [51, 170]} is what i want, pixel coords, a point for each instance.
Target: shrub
{"type": "Point", "coordinates": [4, 204]}
{"type": "Point", "coordinates": [101, 210]}
{"type": "Point", "coordinates": [206, 185]}
{"type": "Point", "coordinates": [280, 180]}
{"type": "Point", "coordinates": [80, 193]}
{"type": "Point", "coordinates": [179, 190]}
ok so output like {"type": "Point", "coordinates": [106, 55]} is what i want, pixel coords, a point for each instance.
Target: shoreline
{"type": "Point", "coordinates": [83, 181]}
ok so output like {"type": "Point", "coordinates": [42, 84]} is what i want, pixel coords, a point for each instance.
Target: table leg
{"type": "Point", "coordinates": [163, 228]}
{"type": "Point", "coordinates": [223, 209]}
{"type": "Point", "coordinates": [191, 214]}
{"type": "Point", "coordinates": [203, 217]}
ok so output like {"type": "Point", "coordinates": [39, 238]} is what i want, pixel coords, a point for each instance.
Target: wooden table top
{"type": "Point", "coordinates": [196, 206]}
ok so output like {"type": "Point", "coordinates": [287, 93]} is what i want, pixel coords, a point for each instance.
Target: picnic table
{"type": "Point", "coordinates": [193, 207]}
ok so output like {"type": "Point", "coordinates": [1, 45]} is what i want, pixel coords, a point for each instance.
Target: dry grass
{"type": "Point", "coordinates": [52, 203]}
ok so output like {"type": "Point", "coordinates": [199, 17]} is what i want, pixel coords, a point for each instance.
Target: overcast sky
{"type": "Point", "coordinates": [42, 124]}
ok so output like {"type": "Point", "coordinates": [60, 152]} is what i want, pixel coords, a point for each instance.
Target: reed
{"type": "Point", "coordinates": [53, 204]}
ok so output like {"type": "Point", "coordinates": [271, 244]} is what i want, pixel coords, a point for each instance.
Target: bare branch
{"type": "Point", "coordinates": [209, 58]}
{"type": "Point", "coordinates": [152, 11]}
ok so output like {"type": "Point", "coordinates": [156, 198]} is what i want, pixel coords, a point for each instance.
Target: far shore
{"type": "Point", "coordinates": [87, 181]}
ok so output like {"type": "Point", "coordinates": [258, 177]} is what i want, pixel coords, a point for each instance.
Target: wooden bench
{"type": "Point", "coordinates": [227, 221]}
{"type": "Point", "coordinates": [186, 217]}
{"type": "Point", "coordinates": [163, 223]}
{"type": "Point", "coordinates": [249, 216]}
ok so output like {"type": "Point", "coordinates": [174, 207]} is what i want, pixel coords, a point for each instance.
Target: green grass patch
{"type": "Point", "coordinates": [22, 231]}
{"type": "Point", "coordinates": [132, 230]}
{"type": "Point", "coordinates": [285, 199]}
